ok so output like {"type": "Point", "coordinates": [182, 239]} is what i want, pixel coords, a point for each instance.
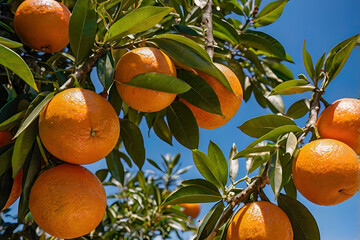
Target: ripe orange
{"type": "Point", "coordinates": [138, 61]}
{"type": "Point", "coordinates": [229, 102]}
{"type": "Point", "coordinates": [260, 221]}
{"type": "Point", "coordinates": [326, 172]}
{"type": "Point", "coordinates": [43, 24]}
{"type": "Point", "coordinates": [67, 201]}
{"type": "Point", "coordinates": [79, 126]}
{"type": "Point", "coordinates": [191, 209]}
{"type": "Point", "coordinates": [5, 137]}
{"type": "Point", "coordinates": [15, 190]}
{"type": "Point", "coordinates": [341, 121]}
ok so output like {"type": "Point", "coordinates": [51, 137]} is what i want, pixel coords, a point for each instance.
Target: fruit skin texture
{"type": "Point", "coordinates": [260, 221]}
{"type": "Point", "coordinates": [5, 137]}
{"type": "Point", "coordinates": [229, 102]}
{"type": "Point", "coordinates": [43, 24]}
{"type": "Point", "coordinates": [79, 126]}
{"type": "Point", "coordinates": [326, 172]}
{"type": "Point", "coordinates": [191, 209]}
{"type": "Point", "coordinates": [139, 61]}
{"type": "Point", "coordinates": [341, 121]}
{"type": "Point", "coordinates": [67, 201]}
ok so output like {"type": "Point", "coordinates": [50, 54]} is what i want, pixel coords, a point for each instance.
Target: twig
{"type": "Point", "coordinates": [84, 68]}
{"type": "Point", "coordinates": [207, 21]}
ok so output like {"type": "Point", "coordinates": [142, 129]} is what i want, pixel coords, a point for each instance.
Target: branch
{"type": "Point", "coordinates": [84, 68]}
{"type": "Point", "coordinates": [207, 21]}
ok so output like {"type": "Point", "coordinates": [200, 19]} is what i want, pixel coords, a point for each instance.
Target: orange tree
{"type": "Point", "coordinates": [185, 38]}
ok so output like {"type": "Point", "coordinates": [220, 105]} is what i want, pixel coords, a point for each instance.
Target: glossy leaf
{"type": "Point", "coordinates": [137, 21]}
{"type": "Point", "coordinates": [319, 65]}
{"type": "Point", "coordinates": [183, 125]}
{"type": "Point", "coordinates": [201, 94]}
{"type": "Point", "coordinates": [308, 63]}
{"type": "Point", "coordinates": [82, 28]}
{"type": "Point", "coordinates": [303, 223]}
{"type": "Point", "coordinates": [133, 141]}
{"type": "Point", "coordinates": [209, 221]}
{"type": "Point", "coordinates": [217, 157]}
{"type": "Point", "coordinates": [12, 120]}
{"type": "Point", "coordinates": [248, 151]}
{"type": "Point", "coordinates": [270, 13]}
{"type": "Point", "coordinates": [10, 43]}
{"type": "Point", "coordinates": [159, 82]}
{"type": "Point", "coordinates": [101, 174]}
{"type": "Point", "coordinates": [290, 189]}
{"type": "Point", "coordinates": [291, 143]}
{"type": "Point", "coordinates": [115, 99]}
{"type": "Point", "coordinates": [199, 181]}
{"type": "Point", "coordinates": [233, 163]}
{"type": "Point", "coordinates": [115, 166]}
{"type": "Point", "coordinates": [299, 109]}
{"type": "Point", "coordinates": [280, 70]}
{"type": "Point", "coordinates": [258, 126]}
{"type": "Point", "coordinates": [105, 70]}
{"type": "Point", "coordinates": [206, 167]}
{"type": "Point", "coordinates": [224, 30]}
{"type": "Point", "coordinates": [162, 130]}
{"type": "Point", "coordinates": [275, 174]}
{"type": "Point", "coordinates": [292, 87]}
{"type": "Point", "coordinates": [16, 64]}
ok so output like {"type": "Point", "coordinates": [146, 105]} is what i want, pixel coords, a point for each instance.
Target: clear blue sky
{"type": "Point", "coordinates": [324, 23]}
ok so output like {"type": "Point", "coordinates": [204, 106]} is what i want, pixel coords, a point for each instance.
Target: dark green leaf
{"type": "Point", "coordinates": [137, 21]}
{"type": "Point", "coordinates": [217, 157]}
{"type": "Point", "coordinates": [133, 141]}
{"type": "Point", "coordinates": [192, 194]}
{"type": "Point", "coordinates": [162, 130]}
{"type": "Point", "coordinates": [5, 160]}
{"type": "Point", "coordinates": [199, 182]}
{"type": "Point", "coordinates": [224, 30]}
{"type": "Point", "coordinates": [290, 189]}
{"type": "Point", "coordinates": [183, 125]}
{"type": "Point", "coordinates": [207, 168]}
{"type": "Point", "coordinates": [270, 13]}
{"type": "Point", "coordinates": [308, 63]}
{"type": "Point", "coordinates": [115, 99]}
{"type": "Point", "coordinates": [209, 221]}
{"type": "Point", "coordinates": [9, 43]}
{"type": "Point", "coordinates": [115, 166]}
{"type": "Point", "coordinates": [303, 223]}
{"type": "Point", "coordinates": [159, 82]}
{"type": "Point", "coordinates": [105, 70]}
{"type": "Point", "coordinates": [279, 69]}
{"type": "Point", "coordinates": [102, 174]}
{"type": "Point", "coordinates": [299, 109]}
{"type": "Point", "coordinates": [12, 121]}
{"type": "Point", "coordinates": [248, 151]}
{"type": "Point", "coordinates": [82, 28]}
{"type": "Point", "coordinates": [15, 63]}
{"type": "Point", "coordinates": [6, 182]}
{"type": "Point", "coordinates": [186, 30]}
{"type": "Point", "coordinates": [152, 162]}
{"type": "Point", "coordinates": [258, 126]}
{"type": "Point", "coordinates": [319, 65]}
{"type": "Point", "coordinates": [251, 55]}
{"type": "Point", "coordinates": [292, 87]}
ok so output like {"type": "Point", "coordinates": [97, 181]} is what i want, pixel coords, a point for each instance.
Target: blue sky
{"type": "Point", "coordinates": [323, 23]}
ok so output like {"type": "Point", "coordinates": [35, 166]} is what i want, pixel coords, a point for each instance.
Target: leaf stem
{"type": "Point", "coordinates": [208, 24]}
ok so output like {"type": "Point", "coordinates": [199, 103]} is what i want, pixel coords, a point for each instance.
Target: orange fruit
{"type": "Point", "coordinates": [43, 24]}
{"type": "Point", "coordinates": [326, 172]}
{"type": "Point", "coordinates": [260, 221]}
{"type": "Point", "coordinates": [191, 209]}
{"type": "Point", "coordinates": [15, 190]}
{"type": "Point", "coordinates": [229, 102]}
{"type": "Point", "coordinates": [79, 126]}
{"type": "Point", "coordinates": [139, 61]}
{"type": "Point", "coordinates": [67, 201]}
{"type": "Point", "coordinates": [341, 121]}
{"type": "Point", "coordinates": [5, 137]}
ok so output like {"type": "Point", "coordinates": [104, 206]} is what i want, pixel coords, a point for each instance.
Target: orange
{"type": "Point", "coordinates": [15, 190]}
{"type": "Point", "coordinates": [5, 137]}
{"type": "Point", "coordinates": [79, 126]}
{"type": "Point", "coordinates": [229, 102]}
{"type": "Point", "coordinates": [191, 209]}
{"type": "Point", "coordinates": [326, 172]}
{"type": "Point", "coordinates": [67, 201]}
{"type": "Point", "coordinates": [139, 61]}
{"type": "Point", "coordinates": [260, 221]}
{"type": "Point", "coordinates": [341, 121]}
{"type": "Point", "coordinates": [43, 24]}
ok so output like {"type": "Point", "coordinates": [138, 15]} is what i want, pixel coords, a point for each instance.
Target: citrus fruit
{"type": "Point", "coordinates": [43, 24]}
{"type": "Point", "coordinates": [229, 102]}
{"type": "Point", "coordinates": [191, 209]}
{"type": "Point", "coordinates": [67, 201]}
{"type": "Point", "coordinates": [326, 171]}
{"type": "Point", "coordinates": [79, 126]}
{"type": "Point", "coordinates": [341, 121]}
{"type": "Point", "coordinates": [139, 61]}
{"type": "Point", "coordinates": [5, 137]}
{"type": "Point", "coordinates": [260, 221]}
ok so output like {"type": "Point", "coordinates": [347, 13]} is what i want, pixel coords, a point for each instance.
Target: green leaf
{"type": "Point", "coordinates": [34, 114]}
{"type": "Point", "coordinates": [6, 182]}
{"type": "Point", "coordinates": [270, 13]}
{"type": "Point", "coordinates": [12, 120]}
{"type": "Point", "coordinates": [253, 58]}
{"type": "Point", "coordinates": [290, 189]}
{"type": "Point", "coordinates": [299, 109]}
{"type": "Point", "coordinates": [338, 56]}
{"type": "Point", "coordinates": [308, 63]}
{"type": "Point", "coordinates": [201, 94]}
{"type": "Point", "coordinates": [209, 221]}
{"type": "Point", "coordinates": [258, 126]}
{"type": "Point", "coordinates": [275, 133]}
{"type": "Point", "coordinates": [133, 141]}
{"type": "Point", "coordinates": [186, 30]}
{"type": "Point", "coordinates": [319, 65]}
{"type": "Point", "coordinates": [105, 70]}
{"type": "Point", "coordinates": [233, 163]}
{"type": "Point", "coordinates": [5, 160]}
{"type": "Point", "coordinates": [183, 125]}
{"type": "Point", "coordinates": [224, 30]}
{"type": "Point", "coordinates": [159, 82]}
{"type": "Point", "coordinates": [162, 130]}
{"type": "Point", "coordinates": [115, 166]}
{"type": "Point", "coordinates": [23, 145]}
{"type": "Point", "coordinates": [102, 174]}
{"type": "Point", "coordinates": [115, 99]}
{"type": "Point", "coordinates": [279, 69]}
{"type": "Point", "coordinates": [248, 151]}
{"type": "Point", "coordinates": [192, 194]}
{"type": "Point", "coordinates": [15, 63]}
{"type": "Point", "coordinates": [292, 87]}
{"type": "Point", "coordinates": [303, 223]}
{"type": "Point", "coordinates": [262, 41]}
{"type": "Point", "coordinates": [275, 174]}
{"type": "Point", "coordinates": [207, 168]}
{"type": "Point", "coordinates": [137, 21]}
{"type": "Point", "coordinates": [82, 28]}
{"type": "Point", "coordinates": [9, 43]}
{"type": "Point", "coordinates": [291, 144]}
{"type": "Point", "coordinates": [216, 156]}
{"type": "Point", "coordinates": [200, 182]}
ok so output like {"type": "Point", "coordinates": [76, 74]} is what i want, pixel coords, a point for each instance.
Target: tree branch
{"type": "Point", "coordinates": [207, 21]}
{"type": "Point", "coordinates": [86, 67]}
